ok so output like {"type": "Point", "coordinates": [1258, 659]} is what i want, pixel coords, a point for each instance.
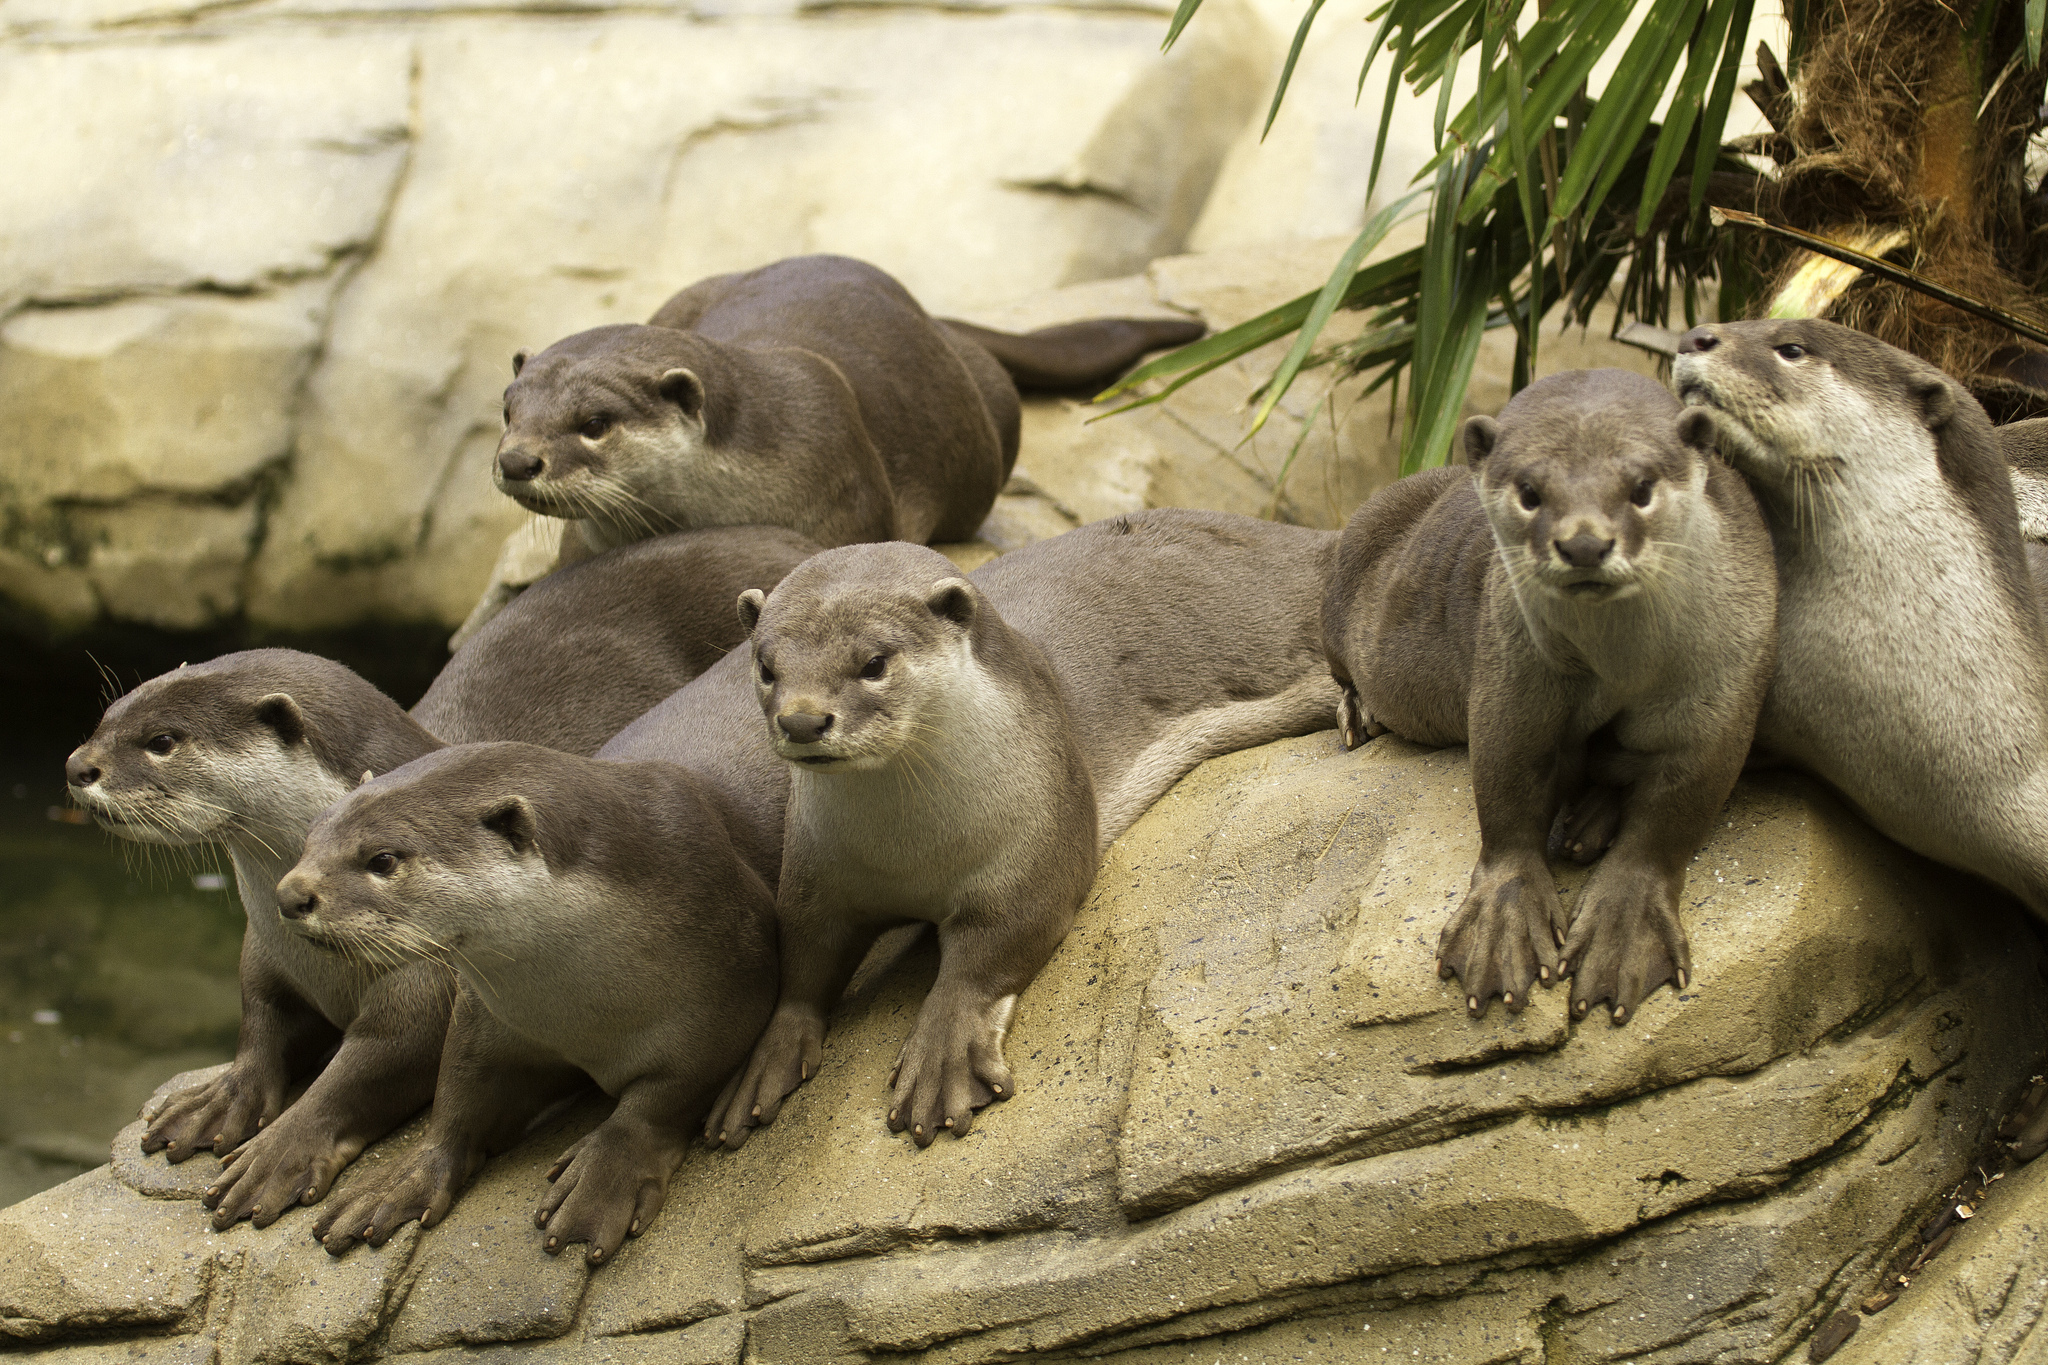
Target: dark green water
{"type": "Point", "coordinates": [116, 971]}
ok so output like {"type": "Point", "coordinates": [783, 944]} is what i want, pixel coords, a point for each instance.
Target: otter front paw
{"type": "Point", "coordinates": [1505, 935]}
{"type": "Point", "coordinates": [218, 1116]}
{"type": "Point", "coordinates": [607, 1187]}
{"type": "Point", "coordinates": [951, 1066]}
{"type": "Point", "coordinates": [1626, 941]}
{"type": "Point", "coordinates": [290, 1163]}
{"type": "Point", "coordinates": [379, 1203]}
{"type": "Point", "coordinates": [786, 1056]}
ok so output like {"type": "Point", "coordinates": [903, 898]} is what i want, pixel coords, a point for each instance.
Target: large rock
{"type": "Point", "coordinates": [1250, 1124]}
{"type": "Point", "coordinates": [263, 266]}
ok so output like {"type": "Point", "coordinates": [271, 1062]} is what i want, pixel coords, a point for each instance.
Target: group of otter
{"type": "Point", "coordinates": [650, 818]}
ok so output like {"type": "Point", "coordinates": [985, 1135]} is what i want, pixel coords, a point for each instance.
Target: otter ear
{"type": "Point", "coordinates": [282, 714]}
{"type": "Point", "coordinates": [1937, 401]}
{"type": "Point", "coordinates": [1697, 429]}
{"type": "Point", "coordinates": [952, 599]}
{"type": "Point", "coordinates": [367, 775]}
{"type": "Point", "coordinates": [685, 390]}
{"type": "Point", "coordinates": [1479, 435]}
{"type": "Point", "coordinates": [750, 604]}
{"type": "Point", "coordinates": [513, 819]}
{"type": "Point", "coordinates": [519, 359]}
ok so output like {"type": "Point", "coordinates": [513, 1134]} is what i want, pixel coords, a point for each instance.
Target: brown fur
{"type": "Point", "coordinates": [575, 659]}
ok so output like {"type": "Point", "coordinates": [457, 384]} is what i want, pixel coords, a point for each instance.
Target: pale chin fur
{"type": "Point", "coordinates": [168, 821]}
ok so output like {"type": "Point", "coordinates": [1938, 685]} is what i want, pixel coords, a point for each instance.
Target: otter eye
{"type": "Point", "coordinates": [383, 865]}
{"type": "Point", "coordinates": [161, 744]}
{"type": "Point", "coordinates": [875, 667]}
{"type": "Point", "coordinates": [1789, 351]}
{"type": "Point", "coordinates": [1644, 491]}
{"type": "Point", "coordinates": [596, 427]}
{"type": "Point", "coordinates": [508, 414]}
{"type": "Point", "coordinates": [1526, 494]}
{"type": "Point", "coordinates": [767, 676]}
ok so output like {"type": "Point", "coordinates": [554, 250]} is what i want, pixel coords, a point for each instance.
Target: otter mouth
{"type": "Point", "coordinates": [818, 760]}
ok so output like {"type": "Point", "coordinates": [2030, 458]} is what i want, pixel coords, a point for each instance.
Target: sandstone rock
{"type": "Point", "coordinates": [1250, 1123]}
{"type": "Point", "coordinates": [268, 262]}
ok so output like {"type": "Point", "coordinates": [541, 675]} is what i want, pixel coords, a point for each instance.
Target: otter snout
{"type": "Point", "coordinates": [296, 898]}
{"type": "Point", "coordinates": [1584, 550]}
{"type": "Point", "coordinates": [79, 770]}
{"type": "Point", "coordinates": [804, 727]}
{"type": "Point", "coordinates": [519, 466]}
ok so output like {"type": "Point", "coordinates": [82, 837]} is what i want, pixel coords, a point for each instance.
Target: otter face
{"type": "Point", "coordinates": [1586, 505]}
{"type": "Point", "coordinates": [1800, 400]}
{"type": "Point", "coordinates": [207, 751]}
{"type": "Point", "coordinates": [403, 869]}
{"type": "Point", "coordinates": [850, 678]}
{"type": "Point", "coordinates": [597, 431]}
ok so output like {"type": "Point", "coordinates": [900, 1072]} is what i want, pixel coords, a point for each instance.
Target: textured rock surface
{"type": "Point", "coordinates": [1250, 1124]}
{"type": "Point", "coordinates": [263, 265]}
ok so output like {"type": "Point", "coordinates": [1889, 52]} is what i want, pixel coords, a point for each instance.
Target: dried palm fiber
{"type": "Point", "coordinates": [1886, 134]}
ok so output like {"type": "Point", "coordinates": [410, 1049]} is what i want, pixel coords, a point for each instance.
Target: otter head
{"type": "Point", "coordinates": [250, 745]}
{"type": "Point", "coordinates": [859, 651]}
{"type": "Point", "coordinates": [420, 862]}
{"type": "Point", "coordinates": [604, 427]}
{"type": "Point", "coordinates": [1588, 479]}
{"type": "Point", "coordinates": [1802, 404]}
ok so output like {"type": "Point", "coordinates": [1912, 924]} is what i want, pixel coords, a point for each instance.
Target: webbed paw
{"type": "Point", "coordinates": [951, 1066]}
{"type": "Point", "coordinates": [786, 1056]}
{"type": "Point", "coordinates": [218, 1116]}
{"type": "Point", "coordinates": [607, 1187]}
{"type": "Point", "coordinates": [1626, 940]}
{"type": "Point", "coordinates": [1504, 936]}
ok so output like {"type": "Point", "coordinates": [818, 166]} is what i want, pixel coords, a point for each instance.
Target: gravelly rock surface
{"type": "Point", "coordinates": [1250, 1125]}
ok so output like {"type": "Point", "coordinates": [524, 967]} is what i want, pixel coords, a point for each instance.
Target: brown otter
{"type": "Point", "coordinates": [577, 657]}
{"type": "Point", "coordinates": [246, 751]}
{"type": "Point", "coordinates": [1912, 659]}
{"type": "Point", "coordinates": [603, 924]}
{"type": "Point", "coordinates": [961, 750]}
{"type": "Point", "coordinates": [1589, 605]}
{"type": "Point", "coordinates": [813, 393]}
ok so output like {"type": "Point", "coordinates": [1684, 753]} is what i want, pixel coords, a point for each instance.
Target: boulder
{"type": "Point", "coordinates": [1250, 1124]}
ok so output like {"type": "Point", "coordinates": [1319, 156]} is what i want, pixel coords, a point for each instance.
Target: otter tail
{"type": "Point", "coordinates": [1077, 357]}
{"type": "Point", "coordinates": [1307, 706]}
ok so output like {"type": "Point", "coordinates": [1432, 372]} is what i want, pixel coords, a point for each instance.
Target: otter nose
{"type": "Point", "coordinates": [79, 771]}
{"type": "Point", "coordinates": [1584, 550]}
{"type": "Point", "coordinates": [803, 727]}
{"type": "Point", "coordinates": [295, 898]}
{"type": "Point", "coordinates": [518, 466]}
{"type": "Point", "coordinates": [1699, 339]}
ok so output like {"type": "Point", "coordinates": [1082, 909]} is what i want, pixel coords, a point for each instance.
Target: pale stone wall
{"type": "Point", "coordinates": [263, 265]}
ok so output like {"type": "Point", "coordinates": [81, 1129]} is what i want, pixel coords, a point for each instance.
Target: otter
{"type": "Point", "coordinates": [1912, 659]}
{"type": "Point", "coordinates": [813, 393]}
{"type": "Point", "coordinates": [961, 750]}
{"type": "Point", "coordinates": [1589, 606]}
{"type": "Point", "coordinates": [246, 751]}
{"type": "Point", "coordinates": [584, 652]}
{"type": "Point", "coordinates": [603, 925]}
